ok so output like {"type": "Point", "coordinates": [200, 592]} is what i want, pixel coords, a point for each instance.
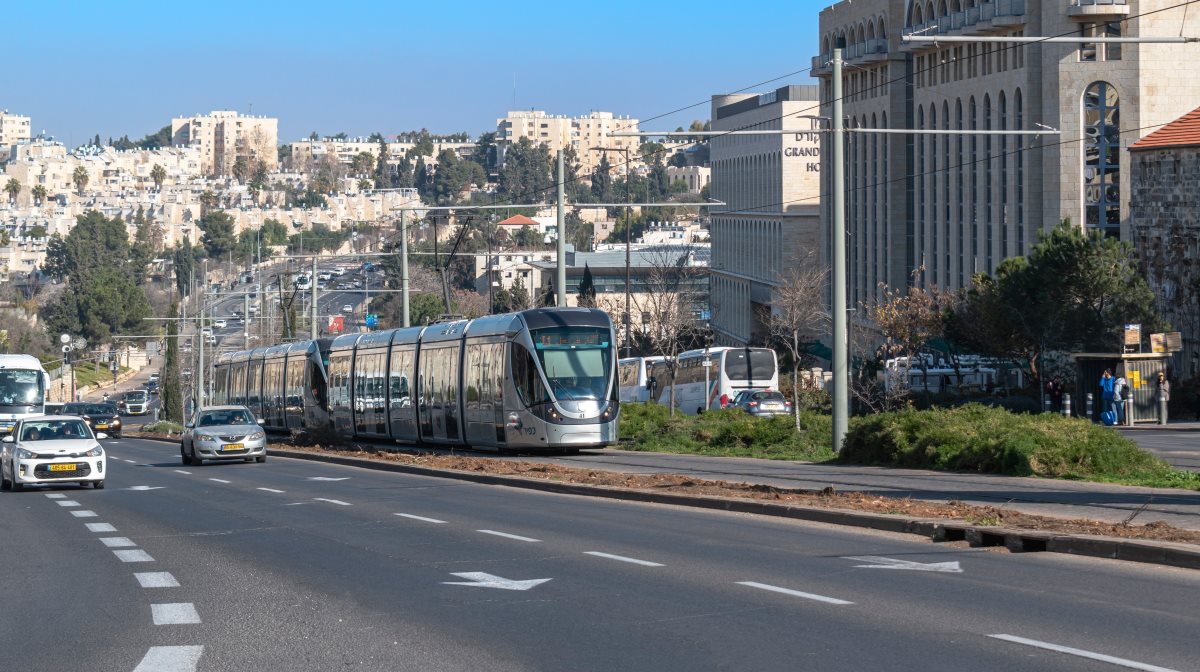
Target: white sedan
{"type": "Point", "coordinates": [51, 449]}
{"type": "Point", "coordinates": [347, 309]}
{"type": "Point", "coordinates": [220, 324]}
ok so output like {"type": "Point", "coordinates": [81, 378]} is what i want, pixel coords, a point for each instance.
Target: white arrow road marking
{"type": "Point", "coordinates": [170, 659]}
{"type": "Point", "coordinates": [272, 490]}
{"type": "Point", "coordinates": [482, 580]}
{"type": "Point", "coordinates": [117, 542]}
{"type": "Point", "coordinates": [156, 580]}
{"type": "Point", "coordinates": [794, 593]}
{"type": "Point", "coordinates": [1083, 654]}
{"type": "Point", "coordinates": [56, 495]}
{"type": "Point", "coordinates": [67, 502]}
{"type": "Point", "coordinates": [100, 527]}
{"type": "Point", "coordinates": [423, 518]}
{"type": "Point", "coordinates": [644, 563]}
{"type": "Point", "coordinates": [326, 478]}
{"type": "Point", "coordinates": [331, 501]}
{"type": "Point", "coordinates": [136, 555]}
{"type": "Point", "coordinates": [181, 471]}
{"type": "Point", "coordinates": [145, 487]}
{"type": "Point", "coordinates": [178, 613]}
{"type": "Point", "coordinates": [889, 563]}
{"type": "Point", "coordinates": [510, 536]}
{"type": "Point", "coordinates": [218, 480]}
{"type": "Point", "coordinates": [84, 514]}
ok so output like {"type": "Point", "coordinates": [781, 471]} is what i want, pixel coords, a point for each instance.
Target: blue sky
{"type": "Point", "coordinates": [117, 68]}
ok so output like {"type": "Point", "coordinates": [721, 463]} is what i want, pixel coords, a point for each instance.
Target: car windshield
{"type": "Point", "coordinates": [216, 418]}
{"type": "Point", "coordinates": [135, 396]}
{"type": "Point", "coordinates": [102, 409]}
{"type": "Point", "coordinates": [20, 387]}
{"type": "Point", "coordinates": [577, 361]}
{"type": "Point", "coordinates": [54, 430]}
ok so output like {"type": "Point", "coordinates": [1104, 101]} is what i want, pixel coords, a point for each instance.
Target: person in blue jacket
{"type": "Point", "coordinates": [1106, 393]}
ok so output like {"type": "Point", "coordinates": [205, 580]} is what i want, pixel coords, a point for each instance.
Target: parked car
{"type": "Point", "coordinates": [51, 449]}
{"type": "Point", "coordinates": [99, 417]}
{"type": "Point", "coordinates": [223, 433]}
{"type": "Point", "coordinates": [765, 403]}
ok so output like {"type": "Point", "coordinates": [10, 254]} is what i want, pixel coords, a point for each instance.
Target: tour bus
{"type": "Point", "coordinates": [731, 371]}
{"type": "Point", "coordinates": [634, 375]}
{"type": "Point", "coordinates": [23, 385]}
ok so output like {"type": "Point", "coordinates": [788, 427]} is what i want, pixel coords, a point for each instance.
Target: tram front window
{"type": "Point", "coordinates": [577, 361]}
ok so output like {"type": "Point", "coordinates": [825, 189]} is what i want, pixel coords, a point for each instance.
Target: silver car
{"type": "Point", "coordinates": [223, 433]}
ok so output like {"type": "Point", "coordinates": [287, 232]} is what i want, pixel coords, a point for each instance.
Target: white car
{"type": "Point", "coordinates": [347, 308]}
{"type": "Point", "coordinates": [220, 324]}
{"type": "Point", "coordinates": [52, 449]}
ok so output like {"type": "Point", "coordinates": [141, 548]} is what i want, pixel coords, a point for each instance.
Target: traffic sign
{"type": "Point", "coordinates": [372, 320]}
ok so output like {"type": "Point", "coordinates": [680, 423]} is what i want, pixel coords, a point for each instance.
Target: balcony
{"type": "Point", "coordinates": [980, 20]}
{"type": "Point", "coordinates": [1086, 10]}
{"type": "Point", "coordinates": [870, 51]}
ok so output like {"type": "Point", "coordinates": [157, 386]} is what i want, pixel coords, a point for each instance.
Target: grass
{"type": "Point", "coordinates": [727, 433]}
{"type": "Point", "coordinates": [85, 375]}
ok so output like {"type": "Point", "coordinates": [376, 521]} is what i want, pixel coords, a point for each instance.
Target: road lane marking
{"type": "Point", "coordinates": [509, 536]}
{"type": "Point", "coordinates": [327, 478]}
{"type": "Point", "coordinates": [794, 593]}
{"type": "Point", "coordinates": [100, 527]}
{"type": "Point", "coordinates": [421, 518]}
{"type": "Point", "coordinates": [136, 555]}
{"type": "Point", "coordinates": [156, 580]}
{"type": "Point", "coordinates": [1132, 664]}
{"type": "Point", "coordinates": [131, 461]}
{"type": "Point", "coordinates": [176, 613]}
{"type": "Point", "coordinates": [877, 562]}
{"type": "Point", "coordinates": [218, 480]}
{"type": "Point", "coordinates": [117, 542]}
{"type": "Point", "coordinates": [279, 492]}
{"type": "Point", "coordinates": [143, 488]}
{"type": "Point", "coordinates": [56, 495]}
{"type": "Point", "coordinates": [635, 561]}
{"type": "Point", "coordinates": [170, 659]}
{"type": "Point", "coordinates": [67, 502]}
{"type": "Point", "coordinates": [181, 471]}
{"type": "Point", "coordinates": [331, 501]}
{"type": "Point", "coordinates": [484, 580]}
{"type": "Point", "coordinates": [84, 514]}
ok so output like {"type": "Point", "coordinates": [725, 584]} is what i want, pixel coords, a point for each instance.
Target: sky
{"type": "Point", "coordinates": [116, 68]}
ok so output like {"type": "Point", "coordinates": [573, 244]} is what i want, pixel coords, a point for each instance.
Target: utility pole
{"type": "Point", "coordinates": [841, 372]}
{"type": "Point", "coordinates": [200, 369]}
{"type": "Point", "coordinates": [628, 277]}
{"type": "Point", "coordinates": [314, 329]}
{"type": "Point", "coordinates": [404, 269]}
{"type": "Point", "coordinates": [560, 279]}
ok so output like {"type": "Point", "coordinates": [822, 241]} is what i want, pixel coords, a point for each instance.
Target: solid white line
{"type": "Point", "coordinates": [331, 501]}
{"type": "Point", "coordinates": [422, 518]}
{"type": "Point", "coordinates": [218, 480]}
{"type": "Point", "coordinates": [795, 593]}
{"type": "Point", "coordinates": [170, 659]}
{"type": "Point", "coordinates": [67, 502]}
{"type": "Point", "coordinates": [84, 514]}
{"type": "Point", "coordinates": [1133, 664]}
{"type": "Point", "coordinates": [116, 542]}
{"type": "Point", "coordinates": [136, 555]}
{"type": "Point", "coordinates": [156, 580]}
{"type": "Point", "coordinates": [272, 490]}
{"type": "Point", "coordinates": [181, 471]}
{"type": "Point", "coordinates": [177, 613]}
{"type": "Point", "coordinates": [56, 495]}
{"type": "Point", "coordinates": [509, 536]}
{"type": "Point", "coordinates": [100, 527]}
{"type": "Point", "coordinates": [635, 561]}
{"type": "Point", "coordinates": [131, 461]}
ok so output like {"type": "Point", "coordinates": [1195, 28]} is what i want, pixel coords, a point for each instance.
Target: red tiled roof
{"type": "Point", "coordinates": [518, 220]}
{"type": "Point", "coordinates": [1183, 132]}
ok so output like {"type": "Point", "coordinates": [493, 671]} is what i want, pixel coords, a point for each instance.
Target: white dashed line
{"type": "Point", "coordinates": [331, 501]}
{"type": "Point", "coordinates": [326, 478]}
{"type": "Point", "coordinates": [1132, 664]}
{"type": "Point", "coordinates": [170, 659]}
{"type": "Point", "coordinates": [67, 502]}
{"type": "Point", "coordinates": [100, 527]}
{"type": "Point", "coordinates": [509, 536]}
{"type": "Point", "coordinates": [117, 542]}
{"type": "Point", "coordinates": [635, 561]}
{"type": "Point", "coordinates": [794, 593]}
{"type": "Point", "coordinates": [84, 514]}
{"type": "Point", "coordinates": [137, 555]}
{"type": "Point", "coordinates": [421, 518]}
{"type": "Point", "coordinates": [131, 461]}
{"type": "Point", "coordinates": [218, 480]}
{"type": "Point", "coordinates": [278, 492]}
{"type": "Point", "coordinates": [181, 471]}
{"type": "Point", "coordinates": [56, 495]}
{"type": "Point", "coordinates": [177, 613]}
{"type": "Point", "coordinates": [156, 580]}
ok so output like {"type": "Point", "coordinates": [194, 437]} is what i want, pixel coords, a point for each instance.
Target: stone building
{"type": "Point", "coordinates": [224, 136]}
{"type": "Point", "coordinates": [14, 128]}
{"type": "Point", "coordinates": [583, 133]}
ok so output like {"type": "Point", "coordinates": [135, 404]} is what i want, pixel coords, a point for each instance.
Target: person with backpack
{"type": "Point", "coordinates": [1108, 414]}
{"type": "Point", "coordinates": [1120, 395]}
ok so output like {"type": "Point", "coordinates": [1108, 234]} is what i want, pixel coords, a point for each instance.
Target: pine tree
{"type": "Point", "coordinates": [587, 288]}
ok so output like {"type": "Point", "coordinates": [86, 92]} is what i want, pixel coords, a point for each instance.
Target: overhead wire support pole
{"type": "Point", "coordinates": [841, 371]}
{"type": "Point", "coordinates": [560, 278]}
{"type": "Point", "coordinates": [314, 329]}
{"type": "Point", "coordinates": [404, 269]}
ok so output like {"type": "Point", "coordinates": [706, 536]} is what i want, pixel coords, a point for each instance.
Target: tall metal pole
{"type": "Point", "coordinates": [404, 269]}
{"type": "Point", "coordinates": [628, 277]}
{"type": "Point", "coordinates": [314, 328]}
{"type": "Point", "coordinates": [841, 372]}
{"type": "Point", "coordinates": [246, 318]}
{"type": "Point", "coordinates": [200, 326]}
{"type": "Point", "coordinates": [560, 279]}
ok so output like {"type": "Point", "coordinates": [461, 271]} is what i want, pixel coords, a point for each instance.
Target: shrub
{"type": "Point", "coordinates": [164, 427]}
{"type": "Point", "coordinates": [730, 432]}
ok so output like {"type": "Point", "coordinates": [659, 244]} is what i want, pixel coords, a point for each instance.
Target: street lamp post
{"type": "Point", "coordinates": [628, 278]}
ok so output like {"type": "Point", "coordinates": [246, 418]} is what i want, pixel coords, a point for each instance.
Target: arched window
{"type": "Point", "coordinates": [974, 193]}
{"type": "Point", "coordinates": [1102, 158]}
{"type": "Point", "coordinates": [960, 195]}
{"type": "Point", "coordinates": [935, 176]}
{"type": "Point", "coordinates": [1020, 197]}
{"type": "Point", "coordinates": [1003, 115]}
{"type": "Point", "coordinates": [916, 246]}
{"type": "Point", "coordinates": [946, 172]}
{"type": "Point", "coordinates": [988, 184]}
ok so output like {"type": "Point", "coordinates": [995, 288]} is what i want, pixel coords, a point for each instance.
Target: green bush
{"type": "Point", "coordinates": [164, 427]}
{"type": "Point", "coordinates": [730, 432]}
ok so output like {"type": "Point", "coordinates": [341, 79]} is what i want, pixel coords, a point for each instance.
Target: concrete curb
{"type": "Point", "coordinates": [1015, 540]}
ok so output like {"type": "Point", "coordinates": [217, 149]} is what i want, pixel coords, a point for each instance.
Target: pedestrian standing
{"type": "Point", "coordinates": [1056, 394]}
{"type": "Point", "coordinates": [1106, 397]}
{"type": "Point", "coordinates": [1163, 395]}
{"type": "Point", "coordinates": [1120, 394]}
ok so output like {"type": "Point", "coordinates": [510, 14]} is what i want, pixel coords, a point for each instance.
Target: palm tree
{"type": "Point", "coordinates": [159, 175]}
{"type": "Point", "coordinates": [39, 193]}
{"type": "Point", "coordinates": [80, 178]}
{"type": "Point", "coordinates": [365, 184]}
{"type": "Point", "coordinates": [13, 188]}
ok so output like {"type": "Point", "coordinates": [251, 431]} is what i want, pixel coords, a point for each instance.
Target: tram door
{"type": "Point", "coordinates": [401, 409]}
{"type": "Point", "coordinates": [438, 410]}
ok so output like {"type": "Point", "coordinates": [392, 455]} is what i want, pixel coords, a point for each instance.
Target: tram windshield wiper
{"type": "Point", "coordinates": [559, 386]}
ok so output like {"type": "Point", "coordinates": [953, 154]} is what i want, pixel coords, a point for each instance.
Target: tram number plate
{"type": "Point", "coordinates": [62, 467]}
{"type": "Point", "coordinates": [232, 446]}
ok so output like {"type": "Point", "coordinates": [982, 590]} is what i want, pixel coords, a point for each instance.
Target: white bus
{"type": "Point", "coordinates": [732, 370]}
{"type": "Point", "coordinates": [633, 374]}
{"type": "Point", "coordinates": [23, 385]}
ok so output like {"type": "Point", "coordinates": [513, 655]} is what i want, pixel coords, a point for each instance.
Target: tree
{"type": "Point", "coordinates": [218, 237]}
{"type": "Point", "coordinates": [485, 152]}
{"type": "Point", "coordinates": [798, 315]}
{"type": "Point", "coordinates": [13, 189]}
{"type": "Point", "coordinates": [671, 292]}
{"type": "Point", "coordinates": [364, 184]}
{"type": "Point", "coordinates": [383, 178]}
{"type": "Point", "coordinates": [172, 390]}
{"type": "Point", "coordinates": [527, 236]}
{"type": "Point", "coordinates": [587, 288]}
{"type": "Point", "coordinates": [158, 175]}
{"type": "Point", "coordinates": [185, 266]}
{"type": "Point", "coordinates": [526, 174]}
{"type": "Point", "coordinates": [39, 194]}
{"type": "Point", "coordinates": [258, 179]}
{"type": "Point", "coordinates": [421, 178]}
{"type": "Point", "coordinates": [241, 169]}
{"type": "Point", "coordinates": [273, 232]}
{"type": "Point", "coordinates": [454, 176]}
{"type": "Point", "coordinates": [80, 179]}
{"type": "Point", "coordinates": [579, 233]}
{"type": "Point", "coordinates": [602, 181]}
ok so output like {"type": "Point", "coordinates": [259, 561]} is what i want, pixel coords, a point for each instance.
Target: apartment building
{"type": "Point", "coordinates": [110, 171]}
{"type": "Point", "coordinates": [224, 136]}
{"type": "Point", "coordinates": [695, 177]}
{"type": "Point", "coordinates": [952, 205]}
{"type": "Point", "coordinates": [770, 222]}
{"type": "Point", "coordinates": [14, 128]}
{"type": "Point", "coordinates": [585, 134]}
{"type": "Point", "coordinates": [308, 152]}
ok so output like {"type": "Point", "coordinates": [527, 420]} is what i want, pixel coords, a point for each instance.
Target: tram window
{"type": "Point", "coordinates": [474, 375]}
{"type": "Point", "coordinates": [525, 376]}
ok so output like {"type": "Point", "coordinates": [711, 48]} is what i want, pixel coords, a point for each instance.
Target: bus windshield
{"type": "Point", "coordinates": [21, 387]}
{"type": "Point", "coordinates": [756, 365]}
{"type": "Point", "coordinates": [577, 361]}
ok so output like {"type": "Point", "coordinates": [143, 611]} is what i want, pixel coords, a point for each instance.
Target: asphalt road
{"type": "Point", "coordinates": [1180, 448]}
{"type": "Point", "coordinates": [296, 565]}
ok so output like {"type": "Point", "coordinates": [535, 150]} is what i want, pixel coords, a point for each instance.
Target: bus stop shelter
{"type": "Point", "coordinates": [1140, 370]}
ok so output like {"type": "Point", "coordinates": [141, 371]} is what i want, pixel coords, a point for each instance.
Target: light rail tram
{"type": "Point", "coordinates": [540, 379]}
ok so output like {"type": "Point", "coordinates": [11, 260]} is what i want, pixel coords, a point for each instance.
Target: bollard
{"type": "Point", "coordinates": [1049, 404]}
{"type": "Point", "coordinates": [1090, 407]}
{"type": "Point", "coordinates": [1162, 410]}
{"type": "Point", "coordinates": [1128, 412]}
{"type": "Point", "coordinates": [1066, 407]}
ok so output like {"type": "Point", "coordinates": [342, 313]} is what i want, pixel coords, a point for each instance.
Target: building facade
{"type": "Point", "coordinates": [937, 208]}
{"type": "Point", "coordinates": [583, 133]}
{"type": "Point", "coordinates": [14, 128]}
{"type": "Point", "coordinates": [695, 177]}
{"type": "Point", "coordinates": [306, 153]}
{"type": "Point", "coordinates": [224, 136]}
{"type": "Point", "coordinates": [770, 185]}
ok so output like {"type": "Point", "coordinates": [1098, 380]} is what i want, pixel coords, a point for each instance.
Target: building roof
{"type": "Point", "coordinates": [518, 220]}
{"type": "Point", "coordinates": [1183, 132]}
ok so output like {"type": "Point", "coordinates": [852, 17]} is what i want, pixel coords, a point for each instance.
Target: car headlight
{"type": "Point", "coordinates": [95, 452]}
{"type": "Point", "coordinates": [114, 421]}
{"type": "Point", "coordinates": [205, 438]}
{"type": "Point", "coordinates": [23, 454]}
{"type": "Point", "coordinates": [256, 436]}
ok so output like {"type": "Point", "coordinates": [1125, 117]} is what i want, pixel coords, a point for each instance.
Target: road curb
{"type": "Point", "coordinates": [938, 530]}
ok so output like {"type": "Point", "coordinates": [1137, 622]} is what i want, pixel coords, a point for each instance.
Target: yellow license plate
{"type": "Point", "coordinates": [101, 426]}
{"type": "Point", "coordinates": [62, 467]}
{"type": "Point", "coordinates": [232, 446]}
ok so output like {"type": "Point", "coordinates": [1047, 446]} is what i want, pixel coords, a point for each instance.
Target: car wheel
{"type": "Point", "coordinates": [5, 484]}
{"type": "Point", "coordinates": [196, 461]}
{"type": "Point", "coordinates": [183, 456]}
{"type": "Point", "coordinates": [99, 485]}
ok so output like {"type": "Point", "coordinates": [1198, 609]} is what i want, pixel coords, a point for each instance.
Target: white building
{"type": "Point", "coordinates": [224, 136]}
